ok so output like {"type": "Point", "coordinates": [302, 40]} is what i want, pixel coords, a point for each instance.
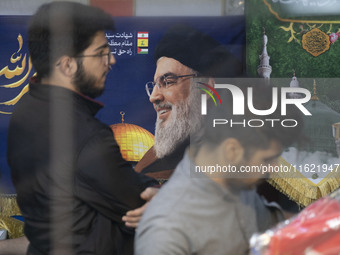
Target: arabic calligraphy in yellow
{"type": "Point", "coordinates": [22, 61]}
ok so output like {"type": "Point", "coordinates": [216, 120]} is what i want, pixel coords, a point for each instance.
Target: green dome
{"type": "Point", "coordinates": [318, 127]}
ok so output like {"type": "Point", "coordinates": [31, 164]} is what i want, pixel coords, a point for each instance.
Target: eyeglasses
{"type": "Point", "coordinates": [164, 81]}
{"type": "Point", "coordinates": [101, 55]}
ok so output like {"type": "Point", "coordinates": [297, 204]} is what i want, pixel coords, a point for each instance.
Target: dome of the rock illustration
{"type": "Point", "coordinates": [134, 141]}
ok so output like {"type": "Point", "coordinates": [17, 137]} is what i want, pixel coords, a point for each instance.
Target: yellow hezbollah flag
{"type": "Point", "coordinates": [142, 42]}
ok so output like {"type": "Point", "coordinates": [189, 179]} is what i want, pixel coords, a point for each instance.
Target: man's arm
{"type": "Point", "coordinates": [16, 246]}
{"type": "Point", "coordinates": [159, 236]}
{"type": "Point", "coordinates": [106, 181]}
{"type": "Point", "coordinates": [133, 217]}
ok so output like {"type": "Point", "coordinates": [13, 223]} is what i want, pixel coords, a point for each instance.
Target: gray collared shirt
{"type": "Point", "coordinates": [198, 216]}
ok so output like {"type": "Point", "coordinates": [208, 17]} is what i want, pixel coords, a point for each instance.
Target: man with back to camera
{"type": "Point", "coordinates": [217, 212]}
{"type": "Point", "coordinates": [73, 185]}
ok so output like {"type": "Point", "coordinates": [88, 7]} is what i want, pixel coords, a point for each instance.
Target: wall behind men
{"type": "Point", "coordinates": [138, 7]}
{"type": "Point", "coordinates": [26, 7]}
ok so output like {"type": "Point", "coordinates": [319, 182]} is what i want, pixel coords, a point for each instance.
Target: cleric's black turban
{"type": "Point", "coordinates": [198, 51]}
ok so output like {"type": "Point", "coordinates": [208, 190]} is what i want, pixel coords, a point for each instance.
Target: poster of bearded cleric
{"type": "Point", "coordinates": [127, 107]}
{"type": "Point", "coordinates": [294, 45]}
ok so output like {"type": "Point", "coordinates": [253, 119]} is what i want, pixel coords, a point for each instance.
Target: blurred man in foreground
{"type": "Point", "coordinates": [200, 211]}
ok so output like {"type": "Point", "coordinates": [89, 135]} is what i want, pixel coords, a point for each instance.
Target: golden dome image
{"type": "Point", "coordinates": [134, 141]}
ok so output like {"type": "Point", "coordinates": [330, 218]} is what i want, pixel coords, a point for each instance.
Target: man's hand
{"type": "Point", "coordinates": [16, 246]}
{"type": "Point", "coordinates": [132, 218]}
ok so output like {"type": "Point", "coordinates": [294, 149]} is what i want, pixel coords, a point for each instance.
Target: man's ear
{"type": "Point", "coordinates": [233, 151]}
{"type": "Point", "coordinates": [67, 66]}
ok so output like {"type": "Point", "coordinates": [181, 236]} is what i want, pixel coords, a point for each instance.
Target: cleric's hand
{"type": "Point", "coordinates": [132, 218]}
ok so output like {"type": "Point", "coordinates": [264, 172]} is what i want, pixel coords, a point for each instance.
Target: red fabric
{"type": "Point", "coordinates": [317, 228]}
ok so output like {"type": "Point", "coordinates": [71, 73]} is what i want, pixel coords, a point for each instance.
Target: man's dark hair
{"type": "Point", "coordinates": [252, 137]}
{"type": "Point", "coordinates": [63, 28]}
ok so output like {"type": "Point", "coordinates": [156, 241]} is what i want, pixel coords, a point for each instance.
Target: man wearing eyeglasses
{"type": "Point", "coordinates": [73, 185]}
{"type": "Point", "coordinates": [182, 53]}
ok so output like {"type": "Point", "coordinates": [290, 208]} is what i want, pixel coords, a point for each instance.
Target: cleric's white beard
{"type": "Point", "coordinates": [185, 117]}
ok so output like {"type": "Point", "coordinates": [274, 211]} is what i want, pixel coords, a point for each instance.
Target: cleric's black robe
{"type": "Point", "coordinates": [161, 169]}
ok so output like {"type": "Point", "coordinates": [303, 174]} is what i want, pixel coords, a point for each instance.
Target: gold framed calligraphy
{"type": "Point", "coordinates": [16, 75]}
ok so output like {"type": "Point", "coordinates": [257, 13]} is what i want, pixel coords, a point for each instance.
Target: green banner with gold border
{"type": "Point", "coordinates": [302, 36]}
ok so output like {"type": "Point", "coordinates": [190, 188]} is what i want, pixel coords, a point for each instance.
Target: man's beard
{"type": "Point", "coordinates": [86, 83]}
{"type": "Point", "coordinates": [184, 119]}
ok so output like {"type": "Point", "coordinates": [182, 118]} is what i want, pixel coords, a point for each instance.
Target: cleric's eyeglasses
{"type": "Point", "coordinates": [105, 56]}
{"type": "Point", "coordinates": [164, 82]}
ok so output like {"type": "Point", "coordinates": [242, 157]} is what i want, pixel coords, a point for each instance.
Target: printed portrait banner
{"type": "Point", "coordinates": [132, 44]}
